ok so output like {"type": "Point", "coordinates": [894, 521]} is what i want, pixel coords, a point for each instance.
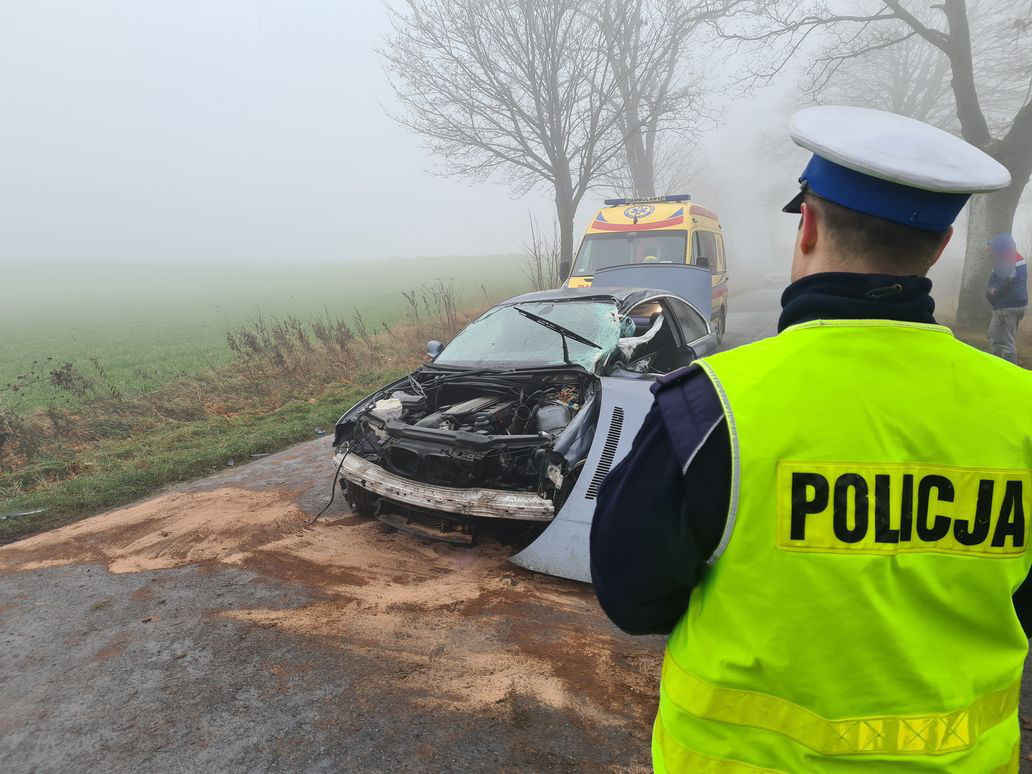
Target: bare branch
{"type": "Point", "coordinates": [935, 37]}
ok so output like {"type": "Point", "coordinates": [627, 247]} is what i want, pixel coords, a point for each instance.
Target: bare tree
{"type": "Point", "coordinates": [986, 45]}
{"type": "Point", "coordinates": [646, 43]}
{"type": "Point", "coordinates": [516, 87]}
{"type": "Point", "coordinates": [909, 77]}
{"type": "Point", "coordinates": [540, 264]}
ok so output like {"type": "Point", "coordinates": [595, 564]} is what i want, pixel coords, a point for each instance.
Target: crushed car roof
{"type": "Point", "coordinates": [620, 295]}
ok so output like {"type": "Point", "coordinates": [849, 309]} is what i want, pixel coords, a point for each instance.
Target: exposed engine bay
{"type": "Point", "coordinates": [521, 431]}
{"type": "Point", "coordinates": [514, 424]}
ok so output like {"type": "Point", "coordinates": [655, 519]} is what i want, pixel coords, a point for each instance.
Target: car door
{"type": "Point", "coordinates": [695, 331]}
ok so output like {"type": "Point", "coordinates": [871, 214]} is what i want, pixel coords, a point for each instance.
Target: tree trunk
{"type": "Point", "coordinates": [564, 212]}
{"type": "Point", "coordinates": [639, 164]}
{"type": "Point", "coordinates": [988, 215]}
{"type": "Point", "coordinates": [644, 181]}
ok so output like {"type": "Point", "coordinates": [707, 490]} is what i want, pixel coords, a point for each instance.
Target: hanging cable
{"type": "Point", "coordinates": [333, 489]}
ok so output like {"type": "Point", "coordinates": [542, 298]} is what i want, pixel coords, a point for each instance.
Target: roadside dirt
{"type": "Point", "coordinates": [459, 618]}
{"type": "Point", "coordinates": [449, 631]}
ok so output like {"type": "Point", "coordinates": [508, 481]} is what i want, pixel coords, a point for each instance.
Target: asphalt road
{"type": "Point", "coordinates": [212, 628]}
{"type": "Point", "coordinates": [752, 315]}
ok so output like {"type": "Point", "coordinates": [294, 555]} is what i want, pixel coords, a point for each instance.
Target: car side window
{"type": "Point", "coordinates": [721, 259]}
{"type": "Point", "coordinates": [656, 345]}
{"type": "Point", "coordinates": [691, 323]}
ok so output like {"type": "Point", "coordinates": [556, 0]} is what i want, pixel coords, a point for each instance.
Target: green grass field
{"type": "Point", "coordinates": [147, 323]}
{"type": "Point", "coordinates": [169, 400]}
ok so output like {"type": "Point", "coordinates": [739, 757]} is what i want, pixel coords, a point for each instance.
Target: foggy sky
{"type": "Point", "coordinates": [219, 129]}
{"type": "Point", "coordinates": [251, 130]}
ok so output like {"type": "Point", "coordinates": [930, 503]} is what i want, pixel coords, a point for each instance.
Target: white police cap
{"type": "Point", "coordinates": [890, 166]}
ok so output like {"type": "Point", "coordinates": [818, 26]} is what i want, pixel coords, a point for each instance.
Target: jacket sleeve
{"type": "Point", "coordinates": [661, 511]}
{"type": "Point", "coordinates": [1023, 605]}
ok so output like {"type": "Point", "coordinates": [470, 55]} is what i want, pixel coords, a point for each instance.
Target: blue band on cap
{"type": "Point", "coordinates": [927, 210]}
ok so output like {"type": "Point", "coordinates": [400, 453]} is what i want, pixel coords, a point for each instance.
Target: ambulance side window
{"type": "Point", "coordinates": [707, 252]}
{"type": "Point", "coordinates": [721, 259]}
{"type": "Point", "coordinates": [696, 249]}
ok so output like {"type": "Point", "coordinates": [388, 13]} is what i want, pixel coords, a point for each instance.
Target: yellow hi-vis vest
{"type": "Point", "coordinates": [857, 615]}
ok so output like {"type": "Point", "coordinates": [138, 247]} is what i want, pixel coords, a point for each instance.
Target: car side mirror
{"type": "Point", "coordinates": [434, 348]}
{"type": "Point", "coordinates": [564, 270]}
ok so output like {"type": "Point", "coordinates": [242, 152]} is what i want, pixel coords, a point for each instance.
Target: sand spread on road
{"type": "Point", "coordinates": [457, 626]}
{"type": "Point", "coordinates": [224, 525]}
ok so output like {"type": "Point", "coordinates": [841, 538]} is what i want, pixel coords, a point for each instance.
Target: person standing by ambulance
{"type": "Point", "coordinates": [833, 523]}
{"type": "Point", "coordinates": [1007, 294]}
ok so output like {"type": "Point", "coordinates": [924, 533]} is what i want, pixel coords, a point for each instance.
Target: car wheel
{"type": "Point", "coordinates": [363, 502]}
{"type": "Point", "coordinates": [722, 324]}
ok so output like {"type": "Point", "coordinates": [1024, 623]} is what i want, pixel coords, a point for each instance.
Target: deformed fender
{"type": "Point", "coordinates": [562, 549]}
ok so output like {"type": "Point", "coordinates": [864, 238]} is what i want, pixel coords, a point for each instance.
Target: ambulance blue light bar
{"type": "Point", "coordinates": [647, 200]}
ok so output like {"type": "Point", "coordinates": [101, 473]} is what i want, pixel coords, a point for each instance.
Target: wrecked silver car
{"type": "Point", "coordinates": [519, 417]}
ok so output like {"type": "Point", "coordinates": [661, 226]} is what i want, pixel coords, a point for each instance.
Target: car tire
{"type": "Point", "coordinates": [363, 502]}
{"type": "Point", "coordinates": [722, 324]}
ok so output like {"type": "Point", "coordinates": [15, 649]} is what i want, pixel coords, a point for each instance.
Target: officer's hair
{"type": "Point", "coordinates": [881, 245]}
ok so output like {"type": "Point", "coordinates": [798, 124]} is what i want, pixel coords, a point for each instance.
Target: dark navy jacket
{"type": "Point", "coordinates": [661, 512]}
{"type": "Point", "coordinates": [1010, 292]}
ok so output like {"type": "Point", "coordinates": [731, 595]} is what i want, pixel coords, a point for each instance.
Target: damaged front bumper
{"type": "Point", "coordinates": [489, 503]}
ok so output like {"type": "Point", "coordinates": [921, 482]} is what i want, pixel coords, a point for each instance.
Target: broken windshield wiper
{"type": "Point", "coordinates": [564, 333]}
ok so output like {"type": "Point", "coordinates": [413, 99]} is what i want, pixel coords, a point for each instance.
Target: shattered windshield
{"type": "Point", "coordinates": [505, 338]}
{"type": "Point", "coordinates": [600, 251]}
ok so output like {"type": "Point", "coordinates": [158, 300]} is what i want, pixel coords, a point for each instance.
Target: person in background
{"type": "Point", "coordinates": [1008, 295]}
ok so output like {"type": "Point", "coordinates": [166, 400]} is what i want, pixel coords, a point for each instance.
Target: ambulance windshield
{"type": "Point", "coordinates": [600, 251]}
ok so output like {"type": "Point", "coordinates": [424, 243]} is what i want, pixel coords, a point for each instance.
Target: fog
{"type": "Point", "coordinates": [258, 131]}
{"type": "Point", "coordinates": [232, 130]}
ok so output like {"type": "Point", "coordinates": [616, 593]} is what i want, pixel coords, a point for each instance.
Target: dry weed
{"type": "Point", "coordinates": [276, 360]}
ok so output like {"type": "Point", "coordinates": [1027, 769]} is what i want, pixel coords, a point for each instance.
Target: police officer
{"type": "Point", "coordinates": [832, 522]}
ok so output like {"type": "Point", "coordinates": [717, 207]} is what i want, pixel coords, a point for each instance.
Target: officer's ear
{"type": "Point", "coordinates": [942, 246]}
{"type": "Point", "coordinates": [809, 228]}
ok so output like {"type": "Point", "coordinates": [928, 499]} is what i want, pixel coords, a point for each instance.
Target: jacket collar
{"type": "Point", "coordinates": [848, 296]}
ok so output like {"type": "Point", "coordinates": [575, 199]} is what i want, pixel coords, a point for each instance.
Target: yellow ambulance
{"type": "Point", "coordinates": [663, 229]}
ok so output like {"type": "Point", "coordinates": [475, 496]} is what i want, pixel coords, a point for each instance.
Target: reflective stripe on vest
{"type": "Point", "coordinates": [922, 734]}
{"type": "Point", "coordinates": [671, 756]}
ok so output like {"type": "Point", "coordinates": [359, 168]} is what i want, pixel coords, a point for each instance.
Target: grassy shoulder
{"type": "Point", "coordinates": [98, 446]}
{"type": "Point", "coordinates": [120, 470]}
